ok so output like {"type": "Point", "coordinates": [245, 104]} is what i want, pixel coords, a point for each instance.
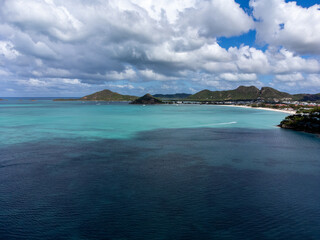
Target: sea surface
{"type": "Point", "coordinates": [98, 170]}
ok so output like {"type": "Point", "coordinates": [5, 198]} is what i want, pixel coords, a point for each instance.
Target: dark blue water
{"type": "Point", "coordinates": [195, 183]}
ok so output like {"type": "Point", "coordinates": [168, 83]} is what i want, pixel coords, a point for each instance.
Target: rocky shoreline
{"type": "Point", "coordinates": [305, 122]}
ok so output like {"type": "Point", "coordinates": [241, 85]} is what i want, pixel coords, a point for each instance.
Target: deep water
{"type": "Point", "coordinates": [209, 182]}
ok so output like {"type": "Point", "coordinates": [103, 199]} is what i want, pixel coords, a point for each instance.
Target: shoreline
{"type": "Point", "coordinates": [261, 108]}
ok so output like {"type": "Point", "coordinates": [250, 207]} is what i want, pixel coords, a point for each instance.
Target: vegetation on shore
{"type": "Point", "coordinates": [147, 99]}
{"type": "Point", "coordinates": [307, 97]}
{"type": "Point", "coordinates": [244, 93]}
{"type": "Point", "coordinates": [176, 96]}
{"type": "Point", "coordinates": [241, 93]}
{"type": "Point", "coordinates": [107, 95]}
{"type": "Point", "coordinates": [305, 120]}
{"type": "Point", "coordinates": [104, 95]}
{"type": "Point", "coordinates": [280, 106]}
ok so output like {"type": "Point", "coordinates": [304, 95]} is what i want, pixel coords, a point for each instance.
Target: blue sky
{"type": "Point", "coordinates": [73, 48]}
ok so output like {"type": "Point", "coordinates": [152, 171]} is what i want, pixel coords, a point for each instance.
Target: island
{"type": "Point", "coordinates": [104, 95]}
{"type": "Point", "coordinates": [304, 120]}
{"type": "Point", "coordinates": [147, 99]}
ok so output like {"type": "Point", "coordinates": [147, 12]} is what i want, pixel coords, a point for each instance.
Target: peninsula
{"type": "Point", "coordinates": [304, 120]}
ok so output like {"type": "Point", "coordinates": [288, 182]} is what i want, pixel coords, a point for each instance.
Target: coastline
{"type": "Point", "coordinates": [267, 109]}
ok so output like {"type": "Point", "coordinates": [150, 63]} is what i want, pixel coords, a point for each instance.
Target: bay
{"type": "Point", "coordinates": [97, 170]}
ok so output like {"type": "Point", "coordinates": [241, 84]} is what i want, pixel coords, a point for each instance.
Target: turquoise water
{"type": "Point", "coordinates": [73, 170]}
{"type": "Point", "coordinates": [23, 121]}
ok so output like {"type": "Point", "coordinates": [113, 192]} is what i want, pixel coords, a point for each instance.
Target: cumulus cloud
{"type": "Point", "coordinates": [44, 17]}
{"type": "Point", "coordinates": [238, 77]}
{"type": "Point", "coordinates": [7, 50]}
{"type": "Point", "coordinates": [313, 80]}
{"type": "Point", "coordinates": [127, 74]}
{"type": "Point", "coordinates": [50, 43]}
{"type": "Point", "coordinates": [151, 75]}
{"type": "Point", "coordinates": [286, 24]}
{"type": "Point", "coordinates": [306, 83]}
{"type": "Point", "coordinates": [290, 77]}
{"type": "Point", "coordinates": [217, 18]}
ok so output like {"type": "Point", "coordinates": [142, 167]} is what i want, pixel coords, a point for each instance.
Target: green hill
{"type": "Point", "coordinates": [268, 93]}
{"type": "Point", "coordinates": [307, 97]}
{"type": "Point", "coordinates": [241, 93]}
{"type": "Point", "coordinates": [172, 96]}
{"type": "Point", "coordinates": [107, 95]}
{"type": "Point", "coordinates": [147, 99]}
{"type": "Point", "coordinates": [104, 95]}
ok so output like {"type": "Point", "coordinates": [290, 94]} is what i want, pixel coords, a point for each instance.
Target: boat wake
{"type": "Point", "coordinates": [214, 124]}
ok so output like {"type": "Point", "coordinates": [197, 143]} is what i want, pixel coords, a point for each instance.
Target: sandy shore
{"type": "Point", "coordinates": [267, 109]}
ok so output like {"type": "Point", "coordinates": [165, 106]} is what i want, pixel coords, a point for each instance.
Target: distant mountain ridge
{"type": "Point", "coordinates": [172, 96]}
{"type": "Point", "coordinates": [244, 93]}
{"type": "Point", "coordinates": [307, 97]}
{"type": "Point", "coordinates": [241, 93]}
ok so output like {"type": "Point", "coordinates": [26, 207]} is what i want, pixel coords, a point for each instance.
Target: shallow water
{"type": "Point", "coordinates": [27, 120]}
{"type": "Point", "coordinates": [115, 171]}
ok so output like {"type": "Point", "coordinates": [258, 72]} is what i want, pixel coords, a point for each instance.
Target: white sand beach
{"type": "Point", "coordinates": [262, 108]}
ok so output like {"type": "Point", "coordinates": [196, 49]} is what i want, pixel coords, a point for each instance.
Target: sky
{"type": "Point", "coordinates": [62, 48]}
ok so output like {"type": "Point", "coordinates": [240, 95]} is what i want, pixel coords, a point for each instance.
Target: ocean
{"type": "Point", "coordinates": [98, 170]}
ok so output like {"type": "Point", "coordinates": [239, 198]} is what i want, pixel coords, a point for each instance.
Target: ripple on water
{"type": "Point", "coordinates": [164, 184]}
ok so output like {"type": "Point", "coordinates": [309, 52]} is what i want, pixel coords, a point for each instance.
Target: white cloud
{"type": "Point", "coordinates": [128, 73]}
{"type": "Point", "coordinates": [4, 73]}
{"type": "Point", "coordinates": [170, 8]}
{"type": "Point", "coordinates": [151, 75]}
{"type": "Point", "coordinates": [126, 86]}
{"type": "Point", "coordinates": [37, 83]}
{"type": "Point", "coordinates": [285, 62]}
{"type": "Point", "coordinates": [286, 24]}
{"type": "Point", "coordinates": [7, 50]}
{"type": "Point", "coordinates": [238, 77]}
{"type": "Point", "coordinates": [51, 82]}
{"type": "Point", "coordinates": [214, 18]}
{"type": "Point", "coordinates": [87, 44]}
{"type": "Point", "coordinates": [250, 60]}
{"type": "Point", "coordinates": [290, 77]}
{"type": "Point", "coordinates": [313, 81]}
{"type": "Point", "coordinates": [309, 83]}
{"type": "Point", "coordinates": [42, 16]}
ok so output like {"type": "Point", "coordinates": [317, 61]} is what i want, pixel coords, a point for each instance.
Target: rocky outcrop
{"type": "Point", "coordinates": [147, 99]}
{"type": "Point", "coordinates": [303, 122]}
